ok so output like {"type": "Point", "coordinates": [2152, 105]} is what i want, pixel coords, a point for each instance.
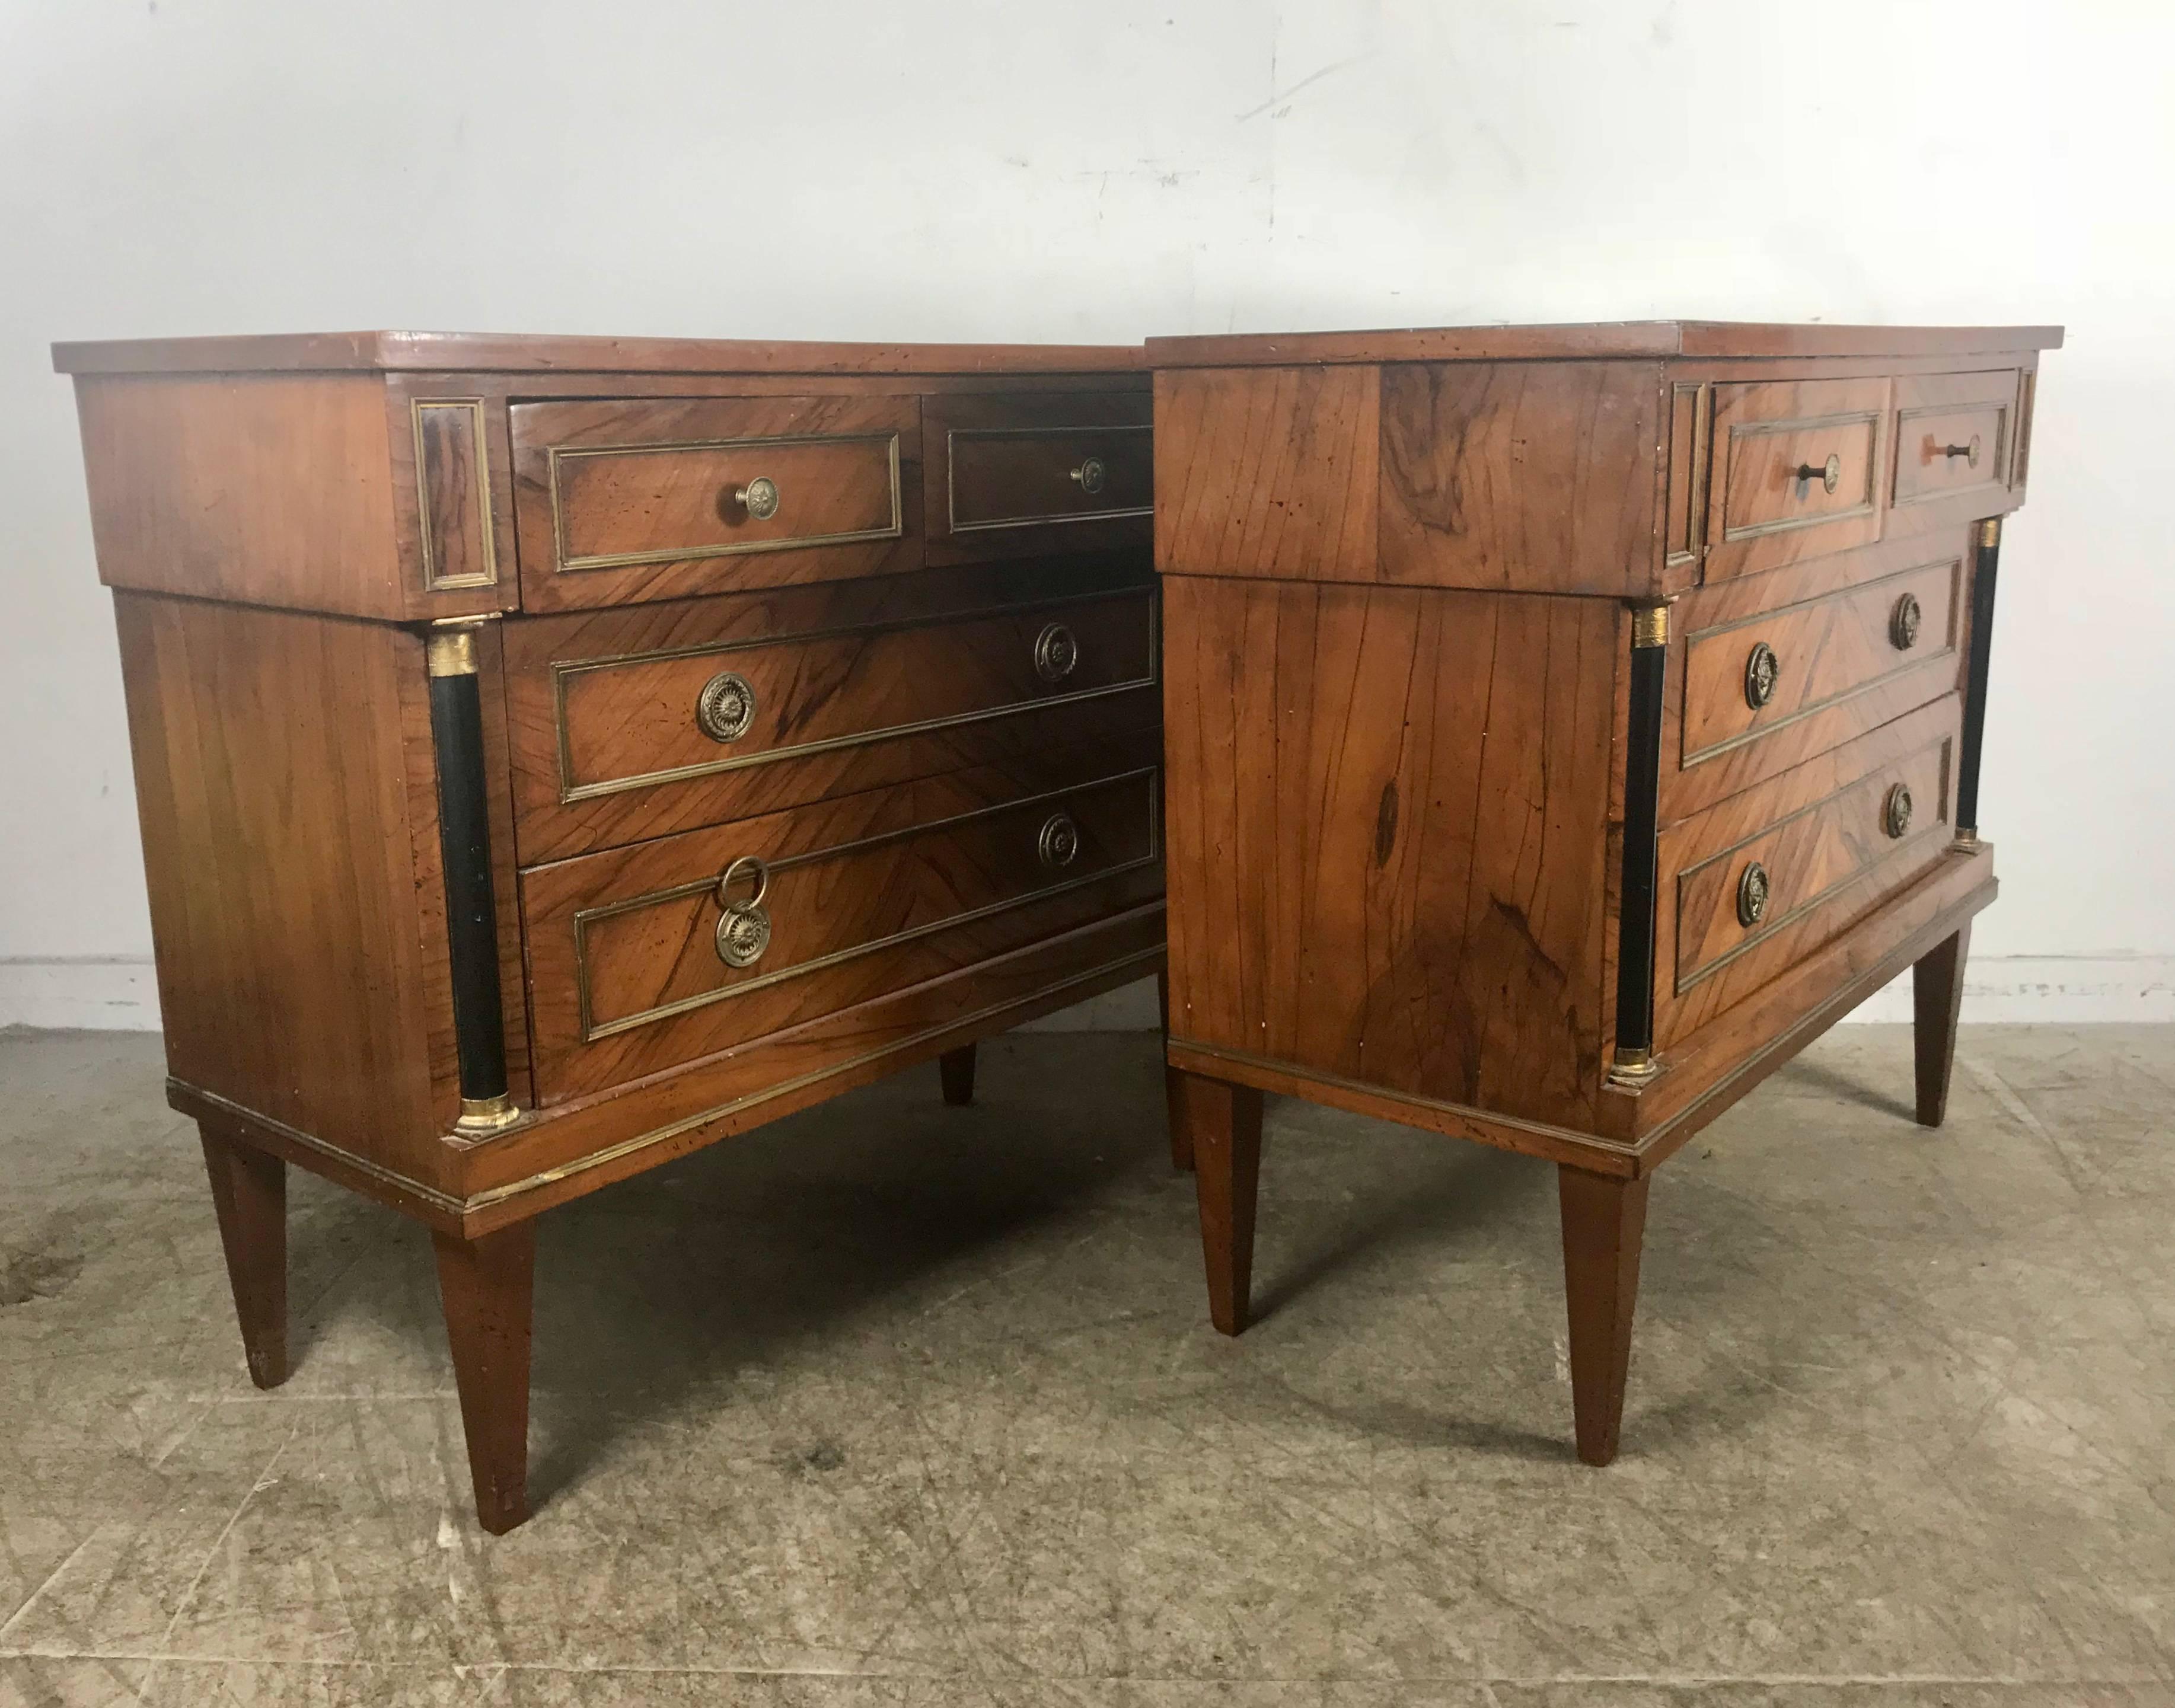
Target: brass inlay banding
{"type": "Point", "coordinates": [592, 1030]}
{"type": "Point", "coordinates": [570, 791]}
{"type": "Point", "coordinates": [427, 533]}
{"type": "Point", "coordinates": [1050, 519]}
{"type": "Point", "coordinates": [565, 565]}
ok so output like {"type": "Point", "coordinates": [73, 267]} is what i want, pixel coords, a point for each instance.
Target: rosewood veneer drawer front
{"type": "Point", "coordinates": [742, 725]}
{"type": "Point", "coordinates": [1065, 471]}
{"type": "Point", "coordinates": [628, 498]}
{"type": "Point", "coordinates": [1953, 439]}
{"type": "Point", "coordinates": [1795, 471]}
{"type": "Point", "coordinates": [1768, 875]}
{"type": "Point", "coordinates": [641, 958]}
{"type": "Point", "coordinates": [1757, 675]}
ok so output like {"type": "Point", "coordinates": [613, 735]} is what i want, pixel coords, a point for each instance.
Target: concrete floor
{"type": "Point", "coordinates": [893, 1403]}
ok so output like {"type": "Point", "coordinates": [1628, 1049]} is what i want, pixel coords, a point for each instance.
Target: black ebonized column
{"type": "Point", "coordinates": [1642, 782]}
{"type": "Point", "coordinates": [471, 911]}
{"type": "Point", "coordinates": [1986, 560]}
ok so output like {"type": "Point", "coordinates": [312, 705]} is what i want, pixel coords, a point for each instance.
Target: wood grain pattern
{"type": "Point", "coordinates": [631, 498]}
{"type": "Point", "coordinates": [527, 353]}
{"type": "Point", "coordinates": [272, 752]}
{"type": "Point", "coordinates": [1359, 886]}
{"type": "Point", "coordinates": [1763, 511]}
{"type": "Point", "coordinates": [867, 894]}
{"type": "Point", "coordinates": [1827, 648]}
{"type": "Point", "coordinates": [1271, 474]}
{"type": "Point", "coordinates": [271, 490]}
{"type": "Point", "coordinates": [859, 679]}
{"type": "Point", "coordinates": [1703, 338]}
{"type": "Point", "coordinates": [1001, 474]}
{"type": "Point", "coordinates": [1223, 1125]}
{"type": "Point", "coordinates": [1535, 476]}
{"type": "Point", "coordinates": [1937, 414]}
{"type": "Point", "coordinates": [1730, 612]}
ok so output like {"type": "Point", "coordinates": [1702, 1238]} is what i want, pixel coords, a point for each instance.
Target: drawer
{"type": "Point", "coordinates": [1954, 439]}
{"type": "Point", "coordinates": [1755, 884]}
{"type": "Point", "coordinates": [1745, 680]}
{"type": "Point", "coordinates": [631, 743]}
{"type": "Point", "coordinates": [636, 963]}
{"type": "Point", "coordinates": [1795, 471]}
{"type": "Point", "coordinates": [1037, 472]}
{"type": "Point", "coordinates": [624, 498]}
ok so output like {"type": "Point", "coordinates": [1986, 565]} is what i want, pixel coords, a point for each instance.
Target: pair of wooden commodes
{"type": "Point", "coordinates": [555, 755]}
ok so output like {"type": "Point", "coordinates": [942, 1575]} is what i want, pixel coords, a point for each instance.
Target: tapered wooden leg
{"type": "Point", "coordinates": [486, 1285]}
{"type": "Point", "coordinates": [249, 1195]}
{"type": "Point", "coordinates": [957, 1068]}
{"type": "Point", "coordinates": [1223, 1128]}
{"type": "Point", "coordinates": [1181, 1136]}
{"type": "Point", "coordinates": [1604, 1219]}
{"type": "Point", "coordinates": [1937, 998]}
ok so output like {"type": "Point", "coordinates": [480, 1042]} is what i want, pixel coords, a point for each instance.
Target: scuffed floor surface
{"type": "Point", "coordinates": [898, 1404]}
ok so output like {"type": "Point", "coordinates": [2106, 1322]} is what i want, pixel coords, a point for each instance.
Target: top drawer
{"type": "Point", "coordinates": [634, 498]}
{"type": "Point", "coordinates": [1953, 440]}
{"type": "Point", "coordinates": [1794, 472]}
{"type": "Point", "coordinates": [1038, 472]}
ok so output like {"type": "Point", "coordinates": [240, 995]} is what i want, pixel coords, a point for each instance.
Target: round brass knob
{"type": "Point", "coordinates": [1903, 623]}
{"type": "Point", "coordinates": [759, 497]}
{"type": "Point", "coordinates": [1752, 896]}
{"type": "Point", "coordinates": [1828, 473]}
{"type": "Point", "coordinates": [1895, 812]}
{"type": "Point", "coordinates": [1090, 474]}
{"type": "Point", "coordinates": [1056, 652]}
{"type": "Point", "coordinates": [1059, 843]}
{"type": "Point", "coordinates": [1761, 668]}
{"type": "Point", "coordinates": [743, 926]}
{"type": "Point", "coordinates": [725, 708]}
{"type": "Point", "coordinates": [1968, 452]}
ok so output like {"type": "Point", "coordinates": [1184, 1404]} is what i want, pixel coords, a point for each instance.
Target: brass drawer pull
{"type": "Point", "coordinates": [1059, 843]}
{"type": "Point", "coordinates": [1752, 896]}
{"type": "Point", "coordinates": [759, 497]}
{"type": "Point", "coordinates": [1090, 474]}
{"type": "Point", "coordinates": [1895, 812]}
{"type": "Point", "coordinates": [1828, 473]}
{"type": "Point", "coordinates": [1056, 652]}
{"type": "Point", "coordinates": [1761, 668]}
{"type": "Point", "coordinates": [744, 927]}
{"type": "Point", "coordinates": [725, 708]}
{"type": "Point", "coordinates": [1969, 452]}
{"type": "Point", "coordinates": [1903, 623]}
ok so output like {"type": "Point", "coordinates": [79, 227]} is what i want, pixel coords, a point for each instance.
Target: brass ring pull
{"type": "Point", "coordinates": [1090, 474]}
{"type": "Point", "coordinates": [744, 927]}
{"type": "Point", "coordinates": [725, 708]}
{"type": "Point", "coordinates": [1761, 668]}
{"type": "Point", "coordinates": [1056, 652]}
{"type": "Point", "coordinates": [1752, 896]}
{"type": "Point", "coordinates": [1969, 452]}
{"type": "Point", "coordinates": [1059, 843]}
{"type": "Point", "coordinates": [759, 497]}
{"type": "Point", "coordinates": [1828, 473]}
{"type": "Point", "coordinates": [1903, 623]}
{"type": "Point", "coordinates": [1895, 811]}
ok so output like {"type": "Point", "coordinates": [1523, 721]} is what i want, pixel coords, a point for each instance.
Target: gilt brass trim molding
{"type": "Point", "coordinates": [1055, 519]}
{"type": "Point", "coordinates": [427, 526]}
{"type": "Point", "coordinates": [591, 1031]}
{"type": "Point", "coordinates": [571, 792]}
{"type": "Point", "coordinates": [558, 454]}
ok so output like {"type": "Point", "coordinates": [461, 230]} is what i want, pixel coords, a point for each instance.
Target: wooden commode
{"type": "Point", "coordinates": [1563, 726]}
{"type": "Point", "coordinates": [555, 755]}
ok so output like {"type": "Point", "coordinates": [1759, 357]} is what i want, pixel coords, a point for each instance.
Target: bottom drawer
{"type": "Point", "coordinates": [645, 958]}
{"type": "Point", "coordinates": [1753, 885]}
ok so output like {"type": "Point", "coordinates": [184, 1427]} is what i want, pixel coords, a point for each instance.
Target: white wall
{"type": "Point", "coordinates": [1102, 172]}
